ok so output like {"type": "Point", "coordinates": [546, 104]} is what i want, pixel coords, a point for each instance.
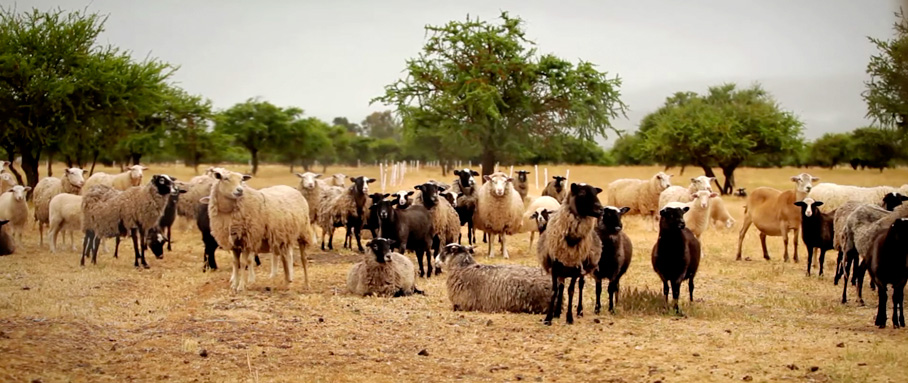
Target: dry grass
{"type": "Point", "coordinates": [111, 322]}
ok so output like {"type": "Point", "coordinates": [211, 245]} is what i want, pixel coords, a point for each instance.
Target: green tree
{"type": "Point", "coordinates": [305, 141]}
{"type": "Point", "coordinates": [628, 150]}
{"type": "Point", "coordinates": [722, 128]}
{"type": "Point", "coordinates": [485, 82]}
{"type": "Point", "coordinates": [257, 126]}
{"type": "Point", "coordinates": [380, 125]}
{"type": "Point", "coordinates": [886, 93]}
{"type": "Point", "coordinates": [830, 150]}
{"type": "Point", "coordinates": [874, 148]}
{"type": "Point", "coordinates": [350, 127]}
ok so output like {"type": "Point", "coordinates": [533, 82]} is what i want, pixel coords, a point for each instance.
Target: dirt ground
{"type": "Point", "coordinates": [751, 320]}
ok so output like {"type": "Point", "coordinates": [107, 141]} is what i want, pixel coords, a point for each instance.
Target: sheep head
{"type": "Point", "coordinates": [454, 252]}
{"type": "Point", "coordinates": [893, 200]}
{"type": "Point", "coordinates": [672, 218]}
{"type": "Point", "coordinates": [610, 222]}
{"type": "Point", "coordinates": [19, 192]}
{"type": "Point", "coordinates": [135, 173]}
{"type": "Point", "coordinates": [429, 194]}
{"type": "Point", "coordinates": [500, 183]}
{"type": "Point", "coordinates": [381, 249]}
{"type": "Point", "coordinates": [541, 216]}
{"type": "Point", "coordinates": [583, 200]}
{"type": "Point", "coordinates": [809, 206]}
{"type": "Point", "coordinates": [702, 183]}
{"type": "Point", "coordinates": [559, 183]}
{"type": "Point", "coordinates": [360, 185]}
{"type": "Point", "coordinates": [230, 184]}
{"type": "Point", "coordinates": [402, 198]}
{"type": "Point", "coordinates": [664, 180]}
{"type": "Point", "coordinates": [466, 177]}
{"type": "Point", "coordinates": [339, 179]}
{"type": "Point", "coordinates": [702, 197]}
{"type": "Point", "coordinates": [805, 182]}
{"type": "Point", "coordinates": [522, 175]}
{"type": "Point", "coordinates": [75, 176]}
{"type": "Point", "coordinates": [307, 179]}
{"type": "Point", "coordinates": [163, 184]}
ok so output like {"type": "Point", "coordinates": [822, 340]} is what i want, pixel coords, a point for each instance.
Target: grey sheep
{"type": "Point", "coordinates": [382, 272]}
{"type": "Point", "coordinates": [555, 188]}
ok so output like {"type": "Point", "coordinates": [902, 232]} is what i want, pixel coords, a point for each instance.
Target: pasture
{"type": "Point", "coordinates": [752, 320]}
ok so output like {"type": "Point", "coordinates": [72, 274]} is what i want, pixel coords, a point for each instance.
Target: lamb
{"type": "Point", "coordinates": [46, 189]}
{"type": "Point", "coordinates": [246, 221]}
{"type": "Point", "coordinates": [373, 224]}
{"type": "Point", "coordinates": [14, 209]}
{"type": "Point", "coordinates": [555, 188]}
{"type": "Point", "coordinates": [817, 230]}
{"type": "Point", "coordinates": [343, 209]}
{"type": "Point", "coordinates": [65, 215]}
{"type": "Point", "coordinates": [696, 217]}
{"type": "Point", "coordinates": [165, 224]}
{"type": "Point", "coordinates": [211, 244]}
{"type": "Point", "coordinates": [773, 212]}
{"type": "Point", "coordinates": [499, 210]}
{"type": "Point", "coordinates": [522, 185]}
{"type": "Point", "coordinates": [467, 198]}
{"type": "Point", "coordinates": [529, 223]}
{"type": "Point", "coordinates": [382, 273]}
{"type": "Point", "coordinates": [492, 288]}
{"type": "Point", "coordinates": [445, 221]}
{"type": "Point", "coordinates": [122, 181]}
{"type": "Point", "coordinates": [569, 246]}
{"type": "Point", "coordinates": [887, 259]}
{"type": "Point", "coordinates": [676, 254]}
{"type": "Point", "coordinates": [834, 195]}
{"type": "Point", "coordinates": [108, 212]}
{"type": "Point", "coordinates": [7, 246]}
{"type": "Point", "coordinates": [338, 180]}
{"type": "Point", "coordinates": [641, 196]}
{"type": "Point", "coordinates": [615, 257]}
{"type": "Point", "coordinates": [7, 181]}
{"type": "Point", "coordinates": [410, 229]}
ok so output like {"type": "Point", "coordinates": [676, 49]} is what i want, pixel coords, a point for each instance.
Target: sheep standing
{"type": "Point", "coordinates": [569, 246]}
{"type": "Point", "coordinates": [445, 221]}
{"type": "Point", "coordinates": [48, 188]}
{"type": "Point", "coordinates": [817, 230]}
{"type": "Point", "coordinates": [382, 273]}
{"type": "Point", "coordinates": [165, 224]}
{"type": "Point", "coordinates": [522, 185]}
{"type": "Point", "coordinates": [211, 244]}
{"type": "Point", "coordinates": [343, 209]}
{"type": "Point", "coordinates": [682, 194]}
{"type": "Point", "coordinates": [14, 209]}
{"type": "Point", "coordinates": [403, 198]}
{"type": "Point", "coordinates": [467, 198]}
{"type": "Point", "coordinates": [697, 216]}
{"type": "Point", "coordinates": [499, 210]}
{"type": "Point", "coordinates": [492, 288]}
{"type": "Point", "coordinates": [615, 257]}
{"type": "Point", "coordinates": [197, 188]}
{"type": "Point", "coordinates": [246, 221]}
{"type": "Point", "coordinates": [338, 180]}
{"type": "Point", "coordinates": [122, 181]}
{"type": "Point", "coordinates": [555, 188]}
{"type": "Point", "coordinates": [850, 219]}
{"type": "Point", "coordinates": [410, 229]}
{"type": "Point", "coordinates": [774, 214]}
{"type": "Point", "coordinates": [529, 223]}
{"type": "Point", "coordinates": [676, 254]}
{"type": "Point", "coordinates": [887, 259]}
{"type": "Point", "coordinates": [7, 246]}
{"type": "Point", "coordinates": [65, 215]}
{"type": "Point", "coordinates": [313, 190]}
{"type": "Point", "coordinates": [641, 196]}
{"type": "Point", "coordinates": [834, 195]}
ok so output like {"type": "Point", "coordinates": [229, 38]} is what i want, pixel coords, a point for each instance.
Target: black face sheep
{"type": "Point", "coordinates": [7, 246]}
{"type": "Point", "coordinates": [555, 188]}
{"type": "Point", "coordinates": [492, 288]}
{"type": "Point", "coordinates": [211, 244]}
{"type": "Point", "coordinates": [499, 210]}
{"type": "Point", "coordinates": [344, 209]}
{"type": "Point", "coordinates": [156, 241]}
{"type": "Point", "coordinates": [382, 272]}
{"type": "Point", "coordinates": [464, 187]}
{"type": "Point", "coordinates": [445, 222]}
{"type": "Point", "coordinates": [522, 184]}
{"type": "Point", "coordinates": [170, 214]}
{"type": "Point", "coordinates": [410, 229]}
{"type": "Point", "coordinates": [403, 198]}
{"type": "Point", "coordinates": [741, 192]}
{"type": "Point", "coordinates": [887, 259]}
{"type": "Point", "coordinates": [569, 246]}
{"type": "Point", "coordinates": [615, 258]}
{"type": "Point", "coordinates": [893, 200]}
{"type": "Point", "coordinates": [372, 222]}
{"type": "Point", "coordinates": [356, 221]}
{"type": "Point", "coordinates": [676, 255]}
{"type": "Point", "coordinates": [817, 230]}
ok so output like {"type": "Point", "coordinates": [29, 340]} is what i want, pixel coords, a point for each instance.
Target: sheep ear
{"type": "Point", "coordinates": [795, 178]}
{"type": "Point", "coordinates": [486, 178]}
{"type": "Point", "coordinates": [370, 180]}
{"type": "Point", "coordinates": [903, 198]}
{"type": "Point", "coordinates": [144, 168]}
{"type": "Point", "coordinates": [818, 203]}
{"type": "Point", "coordinates": [574, 188]}
{"type": "Point", "coordinates": [693, 179]}
{"type": "Point", "coordinates": [318, 175]}
{"type": "Point", "coordinates": [442, 189]}
{"type": "Point", "coordinates": [800, 203]}
{"type": "Point", "coordinates": [711, 179]}
{"type": "Point", "coordinates": [409, 193]}
{"type": "Point", "coordinates": [474, 173]}
{"type": "Point", "coordinates": [246, 177]}
{"type": "Point", "coordinates": [624, 210]}
{"type": "Point", "coordinates": [394, 201]}
{"type": "Point", "coordinates": [218, 175]}
{"type": "Point", "coordinates": [28, 189]}
{"type": "Point", "coordinates": [417, 187]}
{"type": "Point", "coordinates": [457, 172]}
{"type": "Point", "coordinates": [598, 190]}
{"type": "Point", "coordinates": [386, 195]}
{"type": "Point", "coordinates": [510, 179]}
{"type": "Point", "coordinates": [685, 209]}
{"type": "Point", "coordinates": [300, 175]}
{"type": "Point", "coordinates": [183, 191]}
{"type": "Point", "coordinates": [204, 200]}
{"type": "Point", "coordinates": [814, 179]}
{"type": "Point", "coordinates": [713, 195]}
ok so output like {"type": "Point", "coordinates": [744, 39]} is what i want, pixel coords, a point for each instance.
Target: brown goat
{"type": "Point", "coordinates": [774, 214]}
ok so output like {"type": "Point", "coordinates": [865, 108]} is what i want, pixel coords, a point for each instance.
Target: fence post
{"type": "Point", "coordinates": [536, 172]}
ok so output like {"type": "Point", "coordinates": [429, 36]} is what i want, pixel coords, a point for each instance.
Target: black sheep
{"type": "Point", "coordinates": [893, 200]}
{"type": "Point", "coordinates": [887, 262]}
{"type": "Point", "coordinates": [410, 229]}
{"type": "Point", "coordinates": [817, 230]}
{"type": "Point", "coordinates": [166, 222]}
{"type": "Point", "coordinates": [676, 254]}
{"type": "Point", "coordinates": [617, 250]}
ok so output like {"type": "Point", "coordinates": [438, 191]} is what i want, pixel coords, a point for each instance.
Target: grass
{"type": "Point", "coordinates": [111, 322]}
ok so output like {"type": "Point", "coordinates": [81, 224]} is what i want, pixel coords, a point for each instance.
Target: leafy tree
{"type": "Point", "coordinates": [257, 126]}
{"type": "Point", "coordinates": [830, 150]}
{"type": "Point", "coordinates": [351, 127]}
{"type": "Point", "coordinates": [381, 125]}
{"type": "Point", "coordinates": [886, 93]}
{"type": "Point", "coordinates": [485, 82]}
{"type": "Point", "coordinates": [874, 148]}
{"type": "Point", "coordinates": [723, 128]}
{"type": "Point", "coordinates": [306, 140]}
{"type": "Point", "coordinates": [628, 150]}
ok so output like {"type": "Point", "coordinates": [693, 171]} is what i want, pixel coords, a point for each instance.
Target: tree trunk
{"type": "Point", "coordinates": [708, 171]}
{"type": "Point", "coordinates": [255, 161]}
{"type": "Point", "coordinates": [94, 161]}
{"type": "Point", "coordinates": [444, 168]}
{"type": "Point", "coordinates": [69, 161]}
{"type": "Point", "coordinates": [12, 161]}
{"type": "Point", "coordinates": [729, 173]}
{"type": "Point", "coordinates": [135, 157]}
{"type": "Point", "coordinates": [30, 168]}
{"type": "Point", "coordinates": [50, 163]}
{"type": "Point", "coordinates": [291, 167]}
{"type": "Point", "coordinates": [488, 162]}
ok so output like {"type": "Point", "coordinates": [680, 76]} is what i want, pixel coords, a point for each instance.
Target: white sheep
{"type": "Point", "coordinates": [14, 209]}
{"type": "Point", "coordinates": [313, 190]}
{"type": "Point", "coordinates": [65, 215]}
{"type": "Point", "coordinates": [834, 195]}
{"type": "Point", "coordinates": [641, 196]}
{"type": "Point", "coordinates": [529, 223]}
{"type": "Point", "coordinates": [247, 221]}
{"type": "Point", "coordinates": [499, 210]}
{"type": "Point", "coordinates": [7, 181]}
{"type": "Point", "coordinates": [696, 218]}
{"type": "Point", "coordinates": [72, 182]}
{"type": "Point", "coordinates": [339, 180]}
{"type": "Point", "coordinates": [682, 194]}
{"type": "Point", "coordinates": [197, 188]}
{"type": "Point", "coordinates": [719, 215]}
{"type": "Point", "coordinates": [122, 181]}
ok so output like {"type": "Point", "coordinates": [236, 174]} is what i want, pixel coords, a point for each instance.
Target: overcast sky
{"type": "Point", "coordinates": [331, 57]}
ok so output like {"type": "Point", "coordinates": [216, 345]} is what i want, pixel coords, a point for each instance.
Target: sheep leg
{"type": "Point", "coordinates": [41, 234]}
{"type": "Point", "coordinates": [436, 244]}
{"type": "Point", "coordinates": [744, 226]}
{"type": "Point", "coordinates": [483, 237]}
{"type": "Point", "coordinates": [881, 307]}
{"type": "Point", "coordinates": [809, 259]}
{"type": "Point", "coordinates": [612, 295]}
{"type": "Point", "coordinates": [287, 262]}
{"type": "Point", "coordinates": [305, 261]}
{"type": "Point", "coordinates": [168, 237]}
{"type": "Point", "coordinates": [359, 244]}
{"type": "Point", "coordinates": [419, 255]}
{"type": "Point", "coordinates": [251, 269]}
{"type": "Point", "coordinates": [239, 261]}
{"type": "Point", "coordinates": [117, 246]}
{"type": "Point", "coordinates": [570, 317]}
{"type": "Point", "coordinates": [899, 295]}
{"type": "Point", "coordinates": [822, 260]}
{"type": "Point", "coordinates": [142, 233]}
{"type": "Point", "coordinates": [135, 246]}
{"type": "Point", "coordinates": [859, 273]}
{"type": "Point", "coordinates": [274, 263]}
{"type": "Point", "coordinates": [766, 252]}
{"type": "Point", "coordinates": [580, 298]}
{"type": "Point", "coordinates": [560, 304]}
{"type": "Point", "coordinates": [491, 246]}
{"type": "Point", "coordinates": [599, 296]}
{"type": "Point", "coordinates": [86, 247]}
{"type": "Point", "coordinates": [53, 238]}
{"type": "Point", "coordinates": [797, 231]}
{"type": "Point", "coordinates": [331, 240]}
{"type": "Point", "coordinates": [234, 275]}
{"type": "Point", "coordinates": [846, 264]}
{"type": "Point", "coordinates": [665, 290]}
{"type": "Point", "coordinates": [504, 248]}
{"type": "Point", "coordinates": [690, 288]}
{"type": "Point", "coordinates": [896, 298]}
{"type": "Point", "coordinates": [551, 312]}
{"type": "Point", "coordinates": [94, 249]}
{"type": "Point", "coordinates": [532, 235]}
{"type": "Point", "coordinates": [840, 258]}
{"type": "Point", "coordinates": [676, 292]}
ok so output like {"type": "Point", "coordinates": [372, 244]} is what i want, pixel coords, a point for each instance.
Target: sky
{"type": "Point", "coordinates": [330, 58]}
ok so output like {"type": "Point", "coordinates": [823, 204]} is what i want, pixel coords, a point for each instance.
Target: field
{"type": "Point", "coordinates": [751, 321]}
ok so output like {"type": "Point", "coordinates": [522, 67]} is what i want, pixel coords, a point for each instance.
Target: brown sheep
{"type": "Point", "coordinates": [774, 213]}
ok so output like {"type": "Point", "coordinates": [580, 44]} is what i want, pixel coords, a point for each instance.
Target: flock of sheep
{"type": "Point", "coordinates": [578, 236]}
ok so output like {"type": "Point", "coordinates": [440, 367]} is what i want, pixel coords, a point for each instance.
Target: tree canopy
{"type": "Point", "coordinates": [886, 92]}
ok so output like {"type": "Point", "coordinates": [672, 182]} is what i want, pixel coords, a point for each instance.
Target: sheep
{"type": "Point", "coordinates": [108, 212]}
{"type": "Point", "coordinates": [696, 217]}
{"type": "Point", "coordinates": [338, 180]}
{"type": "Point", "coordinates": [450, 197]}
{"type": "Point", "coordinates": [773, 212]}
{"type": "Point", "coordinates": [467, 197]}
{"type": "Point", "coordinates": [491, 288]}
{"type": "Point", "coordinates": [682, 194]}
{"type": "Point", "coordinates": [410, 229]}
{"type": "Point", "coordinates": [373, 223]}
{"type": "Point", "coordinates": [893, 200]}
{"type": "Point", "coordinates": [719, 215]}
{"type": "Point", "coordinates": [499, 210]}
{"type": "Point", "coordinates": [522, 185]}
{"type": "Point", "coordinates": [817, 230]}
{"type": "Point", "coordinates": [270, 220]}
{"type": "Point", "coordinates": [555, 188]}
{"type": "Point", "coordinates": [122, 181]}
{"type": "Point", "coordinates": [569, 246]}
{"type": "Point", "coordinates": [403, 198]}
{"type": "Point", "coordinates": [529, 222]}
{"type": "Point", "coordinates": [382, 273]}
{"type": "Point", "coordinates": [864, 234]}
{"type": "Point", "coordinates": [615, 257]}
{"type": "Point", "coordinates": [641, 196]}
{"type": "Point", "coordinates": [4, 165]}
{"type": "Point", "coordinates": [313, 190]}
{"type": "Point", "coordinates": [740, 192]}
{"type": "Point", "coordinates": [851, 218]}
{"type": "Point", "coordinates": [887, 259]}
{"type": "Point", "coordinates": [155, 241]}
{"type": "Point", "coordinates": [834, 195]}
{"type": "Point", "coordinates": [676, 254]}
{"type": "Point", "coordinates": [7, 181]}
{"type": "Point", "coordinates": [343, 209]}
{"type": "Point", "coordinates": [445, 221]}
{"type": "Point", "coordinates": [14, 209]}
{"type": "Point", "coordinates": [72, 183]}
{"type": "Point", "coordinates": [165, 224]}
{"type": "Point", "coordinates": [203, 223]}
{"type": "Point", "coordinates": [7, 246]}
{"type": "Point", "coordinates": [197, 188]}
{"type": "Point", "coordinates": [66, 215]}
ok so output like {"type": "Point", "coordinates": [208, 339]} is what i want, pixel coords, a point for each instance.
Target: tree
{"type": "Point", "coordinates": [886, 92]}
{"type": "Point", "coordinates": [830, 150]}
{"type": "Point", "coordinates": [485, 82]}
{"type": "Point", "coordinates": [628, 150]}
{"type": "Point", "coordinates": [351, 128]}
{"type": "Point", "coordinates": [722, 128]}
{"type": "Point", "coordinates": [304, 142]}
{"type": "Point", "coordinates": [380, 125]}
{"type": "Point", "coordinates": [257, 126]}
{"type": "Point", "coordinates": [874, 148]}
